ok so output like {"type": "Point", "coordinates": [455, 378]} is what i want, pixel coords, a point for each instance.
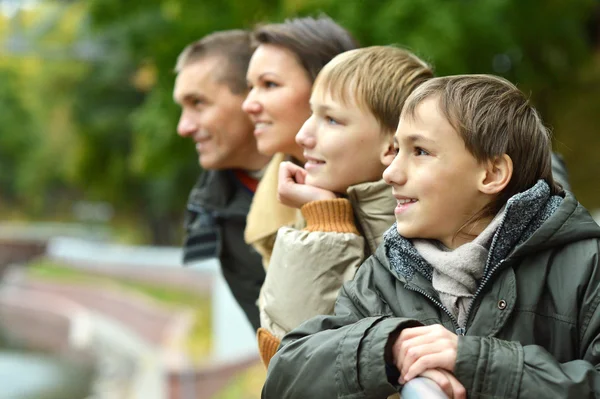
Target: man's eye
{"type": "Point", "coordinates": [197, 102]}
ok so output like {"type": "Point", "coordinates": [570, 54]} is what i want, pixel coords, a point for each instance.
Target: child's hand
{"type": "Point", "coordinates": [292, 190]}
{"type": "Point", "coordinates": [418, 349]}
{"type": "Point", "coordinates": [447, 382]}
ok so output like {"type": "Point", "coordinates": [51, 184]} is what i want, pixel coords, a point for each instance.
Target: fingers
{"type": "Point", "coordinates": [402, 345]}
{"type": "Point", "coordinates": [290, 175]}
{"type": "Point", "coordinates": [411, 354]}
{"type": "Point", "coordinates": [441, 380]}
{"type": "Point", "coordinates": [436, 329]}
{"type": "Point", "coordinates": [438, 359]}
{"type": "Point", "coordinates": [447, 383]}
{"type": "Point", "coordinates": [288, 172]}
{"type": "Point", "coordinates": [421, 348]}
{"type": "Point", "coordinates": [458, 389]}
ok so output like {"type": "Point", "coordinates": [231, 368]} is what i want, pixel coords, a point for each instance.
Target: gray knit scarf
{"type": "Point", "coordinates": [457, 283]}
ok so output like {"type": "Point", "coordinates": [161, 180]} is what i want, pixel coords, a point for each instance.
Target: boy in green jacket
{"type": "Point", "coordinates": [488, 283]}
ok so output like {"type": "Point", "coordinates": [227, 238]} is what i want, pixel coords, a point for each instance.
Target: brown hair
{"type": "Point", "coordinates": [314, 41]}
{"type": "Point", "coordinates": [234, 46]}
{"type": "Point", "coordinates": [493, 117]}
{"type": "Point", "coordinates": [378, 78]}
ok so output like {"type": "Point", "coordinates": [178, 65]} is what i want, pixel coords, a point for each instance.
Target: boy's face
{"type": "Point", "coordinates": [434, 177]}
{"type": "Point", "coordinates": [343, 144]}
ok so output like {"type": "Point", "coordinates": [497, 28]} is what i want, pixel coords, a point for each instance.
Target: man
{"type": "Point", "coordinates": [210, 88]}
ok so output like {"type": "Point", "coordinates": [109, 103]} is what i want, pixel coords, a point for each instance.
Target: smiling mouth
{"type": "Point", "coordinates": [406, 201]}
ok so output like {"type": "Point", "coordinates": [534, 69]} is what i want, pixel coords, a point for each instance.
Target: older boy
{"type": "Point", "coordinates": [347, 142]}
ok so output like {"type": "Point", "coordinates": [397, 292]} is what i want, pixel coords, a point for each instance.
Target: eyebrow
{"type": "Point", "coordinates": [190, 97]}
{"type": "Point", "coordinates": [262, 75]}
{"type": "Point", "coordinates": [414, 138]}
{"type": "Point", "coordinates": [320, 107]}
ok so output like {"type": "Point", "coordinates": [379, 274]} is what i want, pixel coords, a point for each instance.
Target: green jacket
{"type": "Point", "coordinates": [534, 328]}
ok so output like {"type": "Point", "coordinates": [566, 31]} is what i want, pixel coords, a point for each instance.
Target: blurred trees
{"type": "Point", "coordinates": [96, 120]}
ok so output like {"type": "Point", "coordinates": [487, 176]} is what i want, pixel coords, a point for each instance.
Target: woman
{"type": "Point", "coordinates": [286, 61]}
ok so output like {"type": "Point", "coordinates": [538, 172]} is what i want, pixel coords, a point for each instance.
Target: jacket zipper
{"type": "Point", "coordinates": [489, 275]}
{"type": "Point", "coordinates": [459, 330]}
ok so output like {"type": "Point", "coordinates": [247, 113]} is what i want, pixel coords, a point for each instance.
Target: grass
{"type": "Point", "coordinates": [198, 344]}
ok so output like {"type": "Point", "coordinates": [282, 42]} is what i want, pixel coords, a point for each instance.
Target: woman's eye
{"type": "Point", "coordinates": [270, 85]}
{"type": "Point", "coordinates": [419, 151]}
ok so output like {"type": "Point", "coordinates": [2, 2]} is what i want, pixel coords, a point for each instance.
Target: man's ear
{"type": "Point", "coordinates": [496, 175]}
{"type": "Point", "coordinates": [388, 152]}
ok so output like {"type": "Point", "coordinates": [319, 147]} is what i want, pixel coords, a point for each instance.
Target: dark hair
{"type": "Point", "coordinates": [234, 46]}
{"type": "Point", "coordinates": [314, 41]}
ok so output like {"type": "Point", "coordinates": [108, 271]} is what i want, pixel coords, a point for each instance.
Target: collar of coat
{"type": "Point", "coordinates": [525, 213]}
{"type": "Point", "coordinates": [267, 214]}
{"type": "Point", "coordinates": [373, 206]}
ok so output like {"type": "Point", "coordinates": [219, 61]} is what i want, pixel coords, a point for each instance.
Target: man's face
{"type": "Point", "coordinates": [212, 116]}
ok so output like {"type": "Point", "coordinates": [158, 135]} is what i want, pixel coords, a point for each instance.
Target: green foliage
{"type": "Point", "coordinates": [100, 124]}
{"type": "Point", "coordinates": [14, 145]}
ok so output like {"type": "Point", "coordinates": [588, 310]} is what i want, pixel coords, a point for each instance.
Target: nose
{"type": "Point", "coordinates": [395, 174]}
{"type": "Point", "coordinates": [186, 126]}
{"type": "Point", "coordinates": [305, 137]}
{"type": "Point", "coordinates": [251, 105]}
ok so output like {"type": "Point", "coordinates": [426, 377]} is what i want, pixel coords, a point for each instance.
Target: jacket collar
{"type": "Point", "coordinates": [267, 214]}
{"type": "Point", "coordinates": [213, 189]}
{"type": "Point", "coordinates": [373, 206]}
{"type": "Point", "coordinates": [525, 214]}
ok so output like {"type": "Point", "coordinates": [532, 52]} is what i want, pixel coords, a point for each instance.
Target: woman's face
{"type": "Point", "coordinates": [278, 101]}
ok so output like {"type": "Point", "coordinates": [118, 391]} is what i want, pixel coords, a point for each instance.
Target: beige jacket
{"type": "Point", "coordinates": [309, 266]}
{"type": "Point", "coordinates": [267, 214]}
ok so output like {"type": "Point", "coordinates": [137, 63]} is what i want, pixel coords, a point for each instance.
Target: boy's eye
{"type": "Point", "coordinates": [331, 121]}
{"type": "Point", "coordinates": [420, 152]}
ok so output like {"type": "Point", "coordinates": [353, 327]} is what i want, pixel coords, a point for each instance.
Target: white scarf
{"type": "Point", "coordinates": [456, 273]}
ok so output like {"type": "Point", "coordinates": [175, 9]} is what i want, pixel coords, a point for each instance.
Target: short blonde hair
{"type": "Point", "coordinates": [493, 117]}
{"type": "Point", "coordinates": [379, 79]}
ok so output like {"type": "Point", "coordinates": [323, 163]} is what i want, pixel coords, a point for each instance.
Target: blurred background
{"type": "Point", "coordinates": [94, 179]}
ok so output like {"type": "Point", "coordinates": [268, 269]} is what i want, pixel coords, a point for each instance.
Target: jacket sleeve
{"type": "Point", "coordinates": [491, 367]}
{"type": "Point", "coordinates": [341, 355]}
{"type": "Point", "coordinates": [309, 266]}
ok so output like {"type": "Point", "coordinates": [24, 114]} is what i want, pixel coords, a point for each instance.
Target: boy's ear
{"type": "Point", "coordinates": [388, 153]}
{"type": "Point", "coordinates": [497, 175]}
